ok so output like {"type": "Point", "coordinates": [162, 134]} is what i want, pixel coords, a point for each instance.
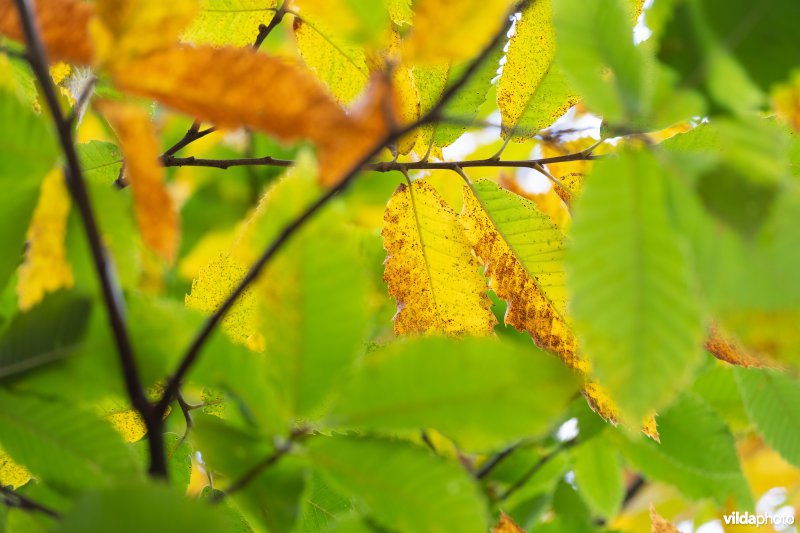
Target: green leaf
{"type": "Point", "coordinates": [273, 497]}
{"type": "Point", "coordinates": [133, 508]}
{"type": "Point", "coordinates": [402, 485]}
{"type": "Point", "coordinates": [101, 163]}
{"type": "Point", "coordinates": [766, 46]}
{"type": "Point", "coordinates": [480, 392]}
{"type": "Point", "coordinates": [321, 507]}
{"type": "Point", "coordinates": [66, 447]}
{"type": "Point", "coordinates": [65, 318]}
{"type": "Point", "coordinates": [772, 401]}
{"type": "Point", "coordinates": [28, 151]}
{"type": "Point", "coordinates": [635, 309]}
{"type": "Point", "coordinates": [619, 80]}
{"type": "Point", "coordinates": [696, 454]}
{"type": "Point", "coordinates": [598, 476]}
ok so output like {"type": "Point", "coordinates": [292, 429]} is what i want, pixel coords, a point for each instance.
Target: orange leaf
{"type": "Point", "coordinates": [237, 87]}
{"type": "Point", "coordinates": [506, 525]}
{"type": "Point", "coordinates": [155, 210]}
{"type": "Point", "coordinates": [727, 349]}
{"type": "Point", "coordinates": [63, 24]}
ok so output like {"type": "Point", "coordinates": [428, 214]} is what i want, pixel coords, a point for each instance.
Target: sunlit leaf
{"type": "Point", "coordinates": [430, 269]}
{"type": "Point", "coordinates": [532, 92]}
{"type": "Point", "coordinates": [229, 22]}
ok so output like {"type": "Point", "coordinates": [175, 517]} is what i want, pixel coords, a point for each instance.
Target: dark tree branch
{"type": "Point", "coordinates": [173, 384]}
{"type": "Point", "coordinates": [112, 294]}
{"type": "Point", "coordinates": [14, 499]}
{"type": "Point", "coordinates": [633, 489]}
{"type": "Point", "coordinates": [384, 166]}
{"type": "Point", "coordinates": [565, 445]}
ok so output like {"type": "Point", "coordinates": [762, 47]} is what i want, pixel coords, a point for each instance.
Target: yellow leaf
{"type": "Point", "coordinates": [126, 29]}
{"type": "Point", "coordinates": [46, 268]}
{"type": "Point", "coordinates": [341, 66]}
{"type": "Point", "coordinates": [786, 101]}
{"type": "Point", "coordinates": [64, 25]}
{"type": "Point", "coordinates": [532, 92]}
{"type": "Point", "coordinates": [156, 213]}
{"type": "Point", "coordinates": [430, 81]}
{"type": "Point", "coordinates": [522, 251]}
{"type": "Point", "coordinates": [211, 288]}
{"type": "Point", "coordinates": [659, 523]}
{"type": "Point", "coordinates": [429, 268]}
{"type": "Point", "coordinates": [128, 423]}
{"type": "Point", "coordinates": [556, 149]}
{"type": "Point", "coordinates": [454, 29]}
{"type": "Point", "coordinates": [506, 525]}
{"type": "Point", "coordinates": [232, 87]}
{"type": "Point", "coordinates": [229, 22]}
{"type": "Point", "coordinates": [12, 473]}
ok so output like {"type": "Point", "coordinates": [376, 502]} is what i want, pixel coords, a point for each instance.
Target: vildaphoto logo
{"type": "Point", "coordinates": [750, 519]}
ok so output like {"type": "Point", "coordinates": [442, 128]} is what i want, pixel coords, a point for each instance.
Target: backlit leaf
{"type": "Point", "coordinates": [598, 476]}
{"type": "Point", "coordinates": [46, 268]}
{"type": "Point", "coordinates": [341, 66]}
{"type": "Point", "coordinates": [507, 525]}
{"type": "Point", "coordinates": [659, 523]}
{"type": "Point", "coordinates": [523, 252]}
{"type": "Point", "coordinates": [642, 332]}
{"type": "Point", "coordinates": [430, 269]}
{"type": "Point", "coordinates": [786, 101]}
{"type": "Point", "coordinates": [229, 22]}
{"type": "Point", "coordinates": [443, 29]}
{"type": "Point", "coordinates": [532, 92]}
{"type": "Point", "coordinates": [155, 211]}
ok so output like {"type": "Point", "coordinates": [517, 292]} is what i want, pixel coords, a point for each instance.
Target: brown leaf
{"type": "Point", "coordinates": [155, 211]}
{"type": "Point", "coordinates": [64, 25]}
{"type": "Point", "coordinates": [238, 87]}
{"type": "Point", "coordinates": [725, 348]}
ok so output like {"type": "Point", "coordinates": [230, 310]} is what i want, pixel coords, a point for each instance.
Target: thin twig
{"type": "Point", "coordinates": [173, 384]}
{"type": "Point", "coordinates": [194, 133]}
{"type": "Point", "coordinates": [491, 463]}
{"type": "Point", "coordinates": [259, 468]}
{"type": "Point", "coordinates": [112, 294]}
{"type": "Point", "coordinates": [383, 166]}
{"type": "Point", "coordinates": [13, 498]}
{"type": "Point", "coordinates": [565, 445]}
{"type": "Point", "coordinates": [187, 416]}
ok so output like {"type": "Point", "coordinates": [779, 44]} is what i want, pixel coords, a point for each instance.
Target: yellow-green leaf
{"type": "Point", "coordinates": [429, 269]}
{"type": "Point", "coordinates": [532, 92]}
{"type": "Point", "coordinates": [522, 251]}
{"type": "Point", "coordinates": [229, 22]}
